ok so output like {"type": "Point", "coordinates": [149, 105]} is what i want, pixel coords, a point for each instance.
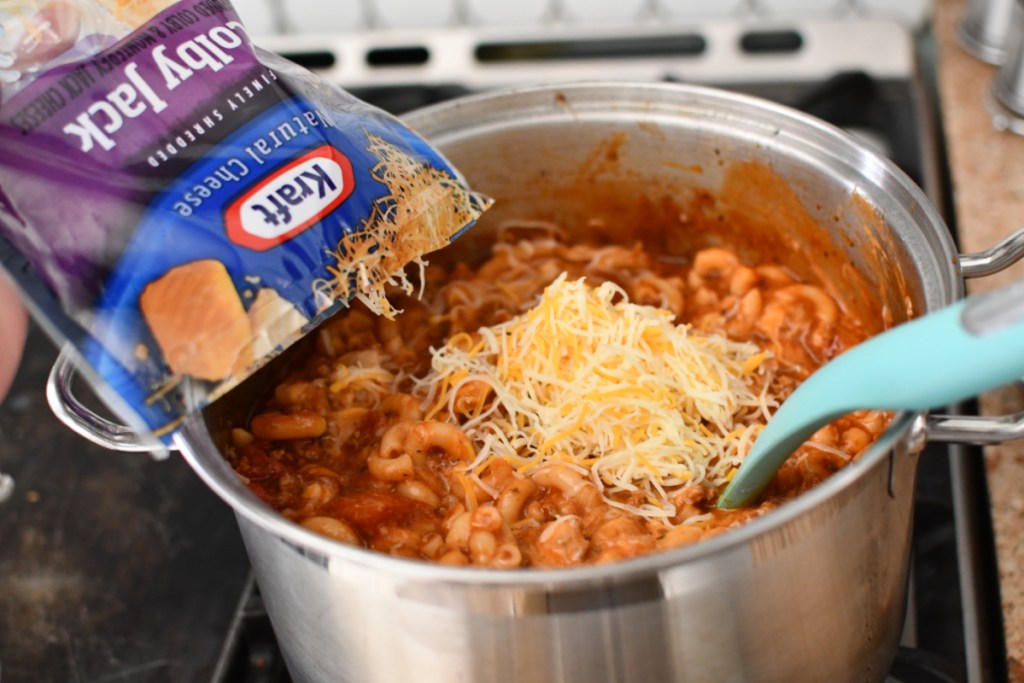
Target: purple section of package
{"type": "Point", "coordinates": [71, 139]}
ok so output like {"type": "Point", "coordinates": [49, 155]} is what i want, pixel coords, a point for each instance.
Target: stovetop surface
{"type": "Point", "coordinates": [113, 566]}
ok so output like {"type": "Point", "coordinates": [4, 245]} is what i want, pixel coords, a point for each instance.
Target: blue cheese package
{"type": "Point", "coordinates": [181, 205]}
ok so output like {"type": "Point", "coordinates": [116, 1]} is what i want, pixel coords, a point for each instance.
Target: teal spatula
{"type": "Point", "coordinates": [956, 353]}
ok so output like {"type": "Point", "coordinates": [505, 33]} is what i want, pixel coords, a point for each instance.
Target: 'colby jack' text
{"type": "Point", "coordinates": [97, 126]}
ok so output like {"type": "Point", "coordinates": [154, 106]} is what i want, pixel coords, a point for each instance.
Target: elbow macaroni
{"type": "Point", "coordinates": [354, 447]}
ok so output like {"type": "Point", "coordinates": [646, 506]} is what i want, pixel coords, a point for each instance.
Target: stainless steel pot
{"type": "Point", "coordinates": [814, 591]}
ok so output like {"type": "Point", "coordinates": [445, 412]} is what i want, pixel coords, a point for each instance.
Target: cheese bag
{"type": "Point", "coordinates": [181, 205]}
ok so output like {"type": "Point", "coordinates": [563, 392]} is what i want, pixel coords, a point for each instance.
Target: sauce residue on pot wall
{"type": "Point", "coordinates": [878, 250]}
{"type": "Point", "coordinates": [761, 208]}
{"type": "Point", "coordinates": [683, 204]}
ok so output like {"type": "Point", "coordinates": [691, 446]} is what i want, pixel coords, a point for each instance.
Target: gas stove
{"type": "Point", "coordinates": [869, 78]}
{"type": "Point", "coordinates": [128, 569]}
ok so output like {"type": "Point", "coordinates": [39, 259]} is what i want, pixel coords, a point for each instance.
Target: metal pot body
{"type": "Point", "coordinates": [817, 598]}
{"type": "Point", "coordinates": [814, 591]}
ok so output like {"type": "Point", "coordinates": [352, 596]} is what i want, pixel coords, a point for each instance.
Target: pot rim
{"type": "Point", "coordinates": [197, 446]}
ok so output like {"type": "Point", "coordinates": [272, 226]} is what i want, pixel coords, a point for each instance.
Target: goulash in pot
{"type": "Point", "coordinates": [560, 405]}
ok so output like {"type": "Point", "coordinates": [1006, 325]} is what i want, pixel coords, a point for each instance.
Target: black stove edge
{"type": "Point", "coordinates": [985, 640]}
{"type": "Point", "coordinates": [984, 634]}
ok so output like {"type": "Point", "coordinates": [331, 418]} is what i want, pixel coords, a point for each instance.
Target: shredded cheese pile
{"type": "Point", "coordinates": [615, 390]}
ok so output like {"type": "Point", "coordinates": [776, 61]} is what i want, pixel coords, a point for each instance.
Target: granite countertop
{"type": "Point", "coordinates": [987, 175]}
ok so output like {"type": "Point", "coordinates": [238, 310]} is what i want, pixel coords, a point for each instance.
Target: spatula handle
{"type": "Point", "coordinates": [958, 352]}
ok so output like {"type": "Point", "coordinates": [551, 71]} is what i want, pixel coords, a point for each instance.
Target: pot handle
{"type": "Point", "coordinates": [994, 259]}
{"type": "Point", "coordinates": [81, 419]}
{"type": "Point", "coordinates": [981, 429]}
{"type": "Point", "coordinates": [978, 430]}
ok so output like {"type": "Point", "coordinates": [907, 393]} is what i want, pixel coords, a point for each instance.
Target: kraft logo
{"type": "Point", "coordinates": [290, 200]}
